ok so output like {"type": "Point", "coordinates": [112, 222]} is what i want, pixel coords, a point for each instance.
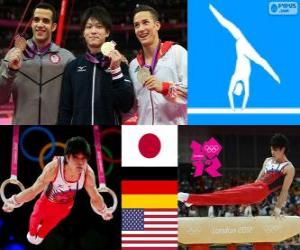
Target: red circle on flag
{"type": "Point", "coordinates": [149, 145]}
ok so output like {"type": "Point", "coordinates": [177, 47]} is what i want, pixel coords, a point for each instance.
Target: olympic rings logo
{"type": "Point", "coordinates": [44, 150]}
{"type": "Point", "coordinates": [211, 148]}
{"type": "Point", "coordinates": [53, 144]}
{"type": "Point", "coordinates": [39, 129]}
{"type": "Point", "coordinates": [105, 133]}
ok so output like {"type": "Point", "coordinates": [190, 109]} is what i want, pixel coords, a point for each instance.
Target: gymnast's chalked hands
{"type": "Point", "coordinates": [105, 213]}
{"type": "Point", "coordinates": [107, 216]}
{"type": "Point", "coordinates": [11, 204]}
{"type": "Point", "coordinates": [277, 213]}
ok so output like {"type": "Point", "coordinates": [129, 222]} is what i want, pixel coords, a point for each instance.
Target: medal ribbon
{"type": "Point", "coordinates": [104, 62]}
{"type": "Point", "coordinates": [31, 50]}
{"type": "Point", "coordinates": [154, 60]}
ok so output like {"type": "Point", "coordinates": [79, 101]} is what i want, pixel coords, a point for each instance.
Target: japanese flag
{"type": "Point", "coordinates": [149, 146]}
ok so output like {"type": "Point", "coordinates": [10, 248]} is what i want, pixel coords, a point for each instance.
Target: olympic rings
{"type": "Point", "coordinates": [44, 149]}
{"type": "Point", "coordinates": [211, 148]}
{"type": "Point", "coordinates": [103, 134]}
{"type": "Point", "coordinates": [10, 181]}
{"type": "Point", "coordinates": [111, 165]}
{"type": "Point", "coordinates": [62, 145]}
{"type": "Point", "coordinates": [40, 129]}
{"type": "Point", "coordinates": [107, 155]}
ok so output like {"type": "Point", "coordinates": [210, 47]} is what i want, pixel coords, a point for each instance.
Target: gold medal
{"type": "Point", "coordinates": [143, 74]}
{"type": "Point", "coordinates": [107, 47]}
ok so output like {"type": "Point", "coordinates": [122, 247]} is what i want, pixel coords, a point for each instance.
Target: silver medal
{"type": "Point", "coordinates": [143, 74]}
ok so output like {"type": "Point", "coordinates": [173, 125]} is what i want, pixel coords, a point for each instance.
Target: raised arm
{"type": "Point", "coordinates": [8, 74]}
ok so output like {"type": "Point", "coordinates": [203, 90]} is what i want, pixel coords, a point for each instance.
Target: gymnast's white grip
{"type": "Point", "coordinates": [277, 211]}
{"type": "Point", "coordinates": [104, 212]}
{"type": "Point", "coordinates": [11, 204]}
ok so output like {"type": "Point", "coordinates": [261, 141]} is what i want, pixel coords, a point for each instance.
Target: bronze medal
{"type": "Point", "coordinates": [20, 43]}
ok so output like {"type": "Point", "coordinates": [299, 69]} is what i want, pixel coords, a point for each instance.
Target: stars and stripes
{"type": "Point", "coordinates": [149, 229]}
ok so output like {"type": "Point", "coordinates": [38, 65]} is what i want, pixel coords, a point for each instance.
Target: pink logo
{"type": "Point", "coordinates": [206, 156]}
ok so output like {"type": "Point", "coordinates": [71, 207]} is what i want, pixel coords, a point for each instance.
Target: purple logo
{"type": "Point", "coordinates": [205, 157]}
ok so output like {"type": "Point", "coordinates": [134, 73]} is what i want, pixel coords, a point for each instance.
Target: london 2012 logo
{"type": "Point", "coordinates": [205, 157]}
{"type": "Point", "coordinates": [283, 8]}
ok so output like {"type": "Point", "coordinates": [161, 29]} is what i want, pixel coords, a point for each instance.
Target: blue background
{"type": "Point", "coordinates": [212, 58]}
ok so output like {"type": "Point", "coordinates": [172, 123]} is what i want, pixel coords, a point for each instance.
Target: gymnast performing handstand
{"type": "Point", "coordinates": [245, 54]}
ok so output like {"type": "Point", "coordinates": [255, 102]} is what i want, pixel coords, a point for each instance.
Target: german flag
{"type": "Point", "coordinates": [149, 194]}
{"type": "Point", "coordinates": [149, 214]}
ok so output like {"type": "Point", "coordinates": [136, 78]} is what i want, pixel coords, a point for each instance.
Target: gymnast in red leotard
{"type": "Point", "coordinates": [277, 173]}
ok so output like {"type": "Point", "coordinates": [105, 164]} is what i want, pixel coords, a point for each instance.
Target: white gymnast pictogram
{"type": "Point", "coordinates": [245, 52]}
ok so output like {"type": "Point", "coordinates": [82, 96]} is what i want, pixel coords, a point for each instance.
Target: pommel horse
{"type": "Point", "coordinates": [197, 232]}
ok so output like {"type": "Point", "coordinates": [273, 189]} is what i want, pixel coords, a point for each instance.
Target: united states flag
{"type": "Point", "coordinates": [149, 229]}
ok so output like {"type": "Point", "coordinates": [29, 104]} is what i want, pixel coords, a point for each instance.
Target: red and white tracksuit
{"type": "Point", "coordinates": [55, 203]}
{"type": "Point", "coordinates": [156, 108]}
{"type": "Point", "coordinates": [247, 194]}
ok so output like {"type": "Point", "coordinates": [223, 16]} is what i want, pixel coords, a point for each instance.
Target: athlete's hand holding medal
{"type": "Point", "coordinates": [152, 83]}
{"type": "Point", "coordinates": [108, 49]}
{"type": "Point", "coordinates": [149, 81]}
{"type": "Point", "coordinates": [145, 77]}
{"type": "Point", "coordinates": [143, 74]}
{"type": "Point", "coordinates": [15, 57]}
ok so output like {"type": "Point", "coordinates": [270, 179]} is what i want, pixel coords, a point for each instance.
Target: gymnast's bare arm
{"type": "Point", "coordinates": [289, 172]}
{"type": "Point", "coordinates": [96, 199]}
{"type": "Point", "coordinates": [40, 184]}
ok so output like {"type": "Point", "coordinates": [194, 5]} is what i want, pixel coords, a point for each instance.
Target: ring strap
{"type": "Point", "coordinates": [99, 160]}
{"type": "Point", "coordinates": [14, 157]}
{"type": "Point", "coordinates": [14, 167]}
